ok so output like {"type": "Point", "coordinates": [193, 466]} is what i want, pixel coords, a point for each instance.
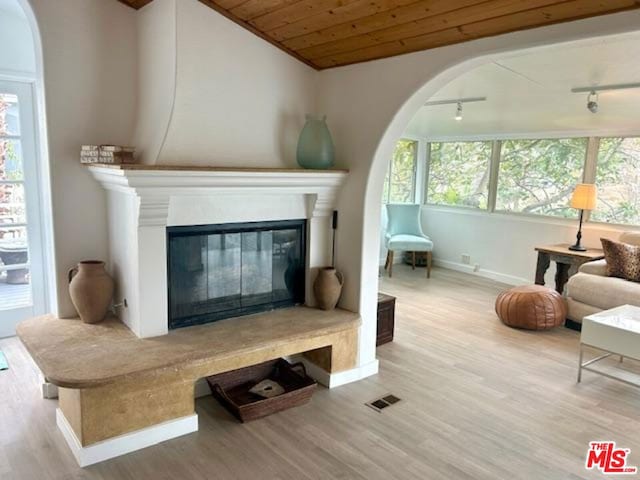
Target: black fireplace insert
{"type": "Point", "coordinates": [233, 269]}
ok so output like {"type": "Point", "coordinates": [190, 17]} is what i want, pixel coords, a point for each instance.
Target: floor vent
{"type": "Point", "coordinates": [380, 403]}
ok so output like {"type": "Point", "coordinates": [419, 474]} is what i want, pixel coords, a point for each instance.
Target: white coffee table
{"type": "Point", "coordinates": [616, 332]}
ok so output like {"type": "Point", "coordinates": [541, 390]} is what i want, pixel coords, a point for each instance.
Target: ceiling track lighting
{"type": "Point", "coordinates": [459, 112]}
{"type": "Point", "coordinates": [592, 98]}
{"type": "Point", "coordinates": [592, 102]}
{"type": "Point", "coordinates": [458, 102]}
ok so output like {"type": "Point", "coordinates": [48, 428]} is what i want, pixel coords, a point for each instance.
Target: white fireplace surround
{"type": "Point", "coordinates": [143, 201]}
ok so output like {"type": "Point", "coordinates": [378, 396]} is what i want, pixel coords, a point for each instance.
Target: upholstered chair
{"type": "Point", "coordinates": [404, 233]}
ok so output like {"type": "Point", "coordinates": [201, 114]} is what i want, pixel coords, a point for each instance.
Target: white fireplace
{"type": "Point", "coordinates": [144, 200]}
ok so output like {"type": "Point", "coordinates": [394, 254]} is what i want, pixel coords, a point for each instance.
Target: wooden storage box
{"type": "Point", "coordinates": [386, 319]}
{"type": "Point", "coordinates": [421, 258]}
{"type": "Point", "coordinates": [231, 389]}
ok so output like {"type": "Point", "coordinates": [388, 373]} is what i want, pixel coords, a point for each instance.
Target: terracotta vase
{"type": "Point", "coordinates": [91, 290]}
{"type": "Point", "coordinates": [328, 287]}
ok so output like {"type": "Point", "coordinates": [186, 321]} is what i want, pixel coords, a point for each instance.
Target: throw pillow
{"type": "Point", "coordinates": [623, 260]}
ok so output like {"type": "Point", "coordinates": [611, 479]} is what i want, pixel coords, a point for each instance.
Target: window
{"type": "Point", "coordinates": [618, 181]}
{"type": "Point", "coordinates": [458, 174]}
{"type": "Point", "coordinates": [538, 176]}
{"type": "Point", "coordinates": [532, 176]}
{"type": "Point", "coordinates": [21, 266]}
{"type": "Point", "coordinates": [400, 183]}
{"type": "Point", "coordinates": [15, 292]}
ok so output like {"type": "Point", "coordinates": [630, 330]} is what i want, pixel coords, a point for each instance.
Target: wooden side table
{"type": "Point", "coordinates": [567, 262]}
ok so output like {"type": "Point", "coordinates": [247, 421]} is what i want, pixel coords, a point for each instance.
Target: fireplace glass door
{"type": "Point", "coordinates": [229, 270]}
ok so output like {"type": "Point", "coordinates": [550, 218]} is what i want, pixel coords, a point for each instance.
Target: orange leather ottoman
{"type": "Point", "coordinates": [532, 307]}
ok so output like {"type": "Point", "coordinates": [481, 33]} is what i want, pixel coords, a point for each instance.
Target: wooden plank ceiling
{"type": "Point", "coordinates": [330, 33]}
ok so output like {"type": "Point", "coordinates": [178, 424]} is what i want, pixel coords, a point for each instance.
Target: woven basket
{"type": "Point", "coordinates": [231, 389]}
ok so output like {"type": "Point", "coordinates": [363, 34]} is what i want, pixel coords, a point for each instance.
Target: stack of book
{"type": "Point", "coordinates": [106, 154]}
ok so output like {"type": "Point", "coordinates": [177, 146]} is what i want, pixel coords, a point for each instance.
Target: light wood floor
{"type": "Point", "coordinates": [479, 401]}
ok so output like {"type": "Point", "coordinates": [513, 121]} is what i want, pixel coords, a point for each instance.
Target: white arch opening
{"type": "Point", "coordinates": [407, 107]}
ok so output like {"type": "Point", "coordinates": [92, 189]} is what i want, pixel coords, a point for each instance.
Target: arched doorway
{"type": "Point", "coordinates": [371, 129]}
{"type": "Point", "coordinates": [25, 246]}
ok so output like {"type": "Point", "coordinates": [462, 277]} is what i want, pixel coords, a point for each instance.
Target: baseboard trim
{"type": "Point", "coordinates": [127, 443]}
{"type": "Point", "coordinates": [497, 276]}
{"type": "Point", "coordinates": [333, 380]}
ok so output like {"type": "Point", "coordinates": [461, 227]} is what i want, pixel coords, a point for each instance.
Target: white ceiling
{"type": "Point", "coordinates": [531, 94]}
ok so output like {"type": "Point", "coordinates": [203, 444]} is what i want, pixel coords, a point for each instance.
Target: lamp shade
{"type": "Point", "coordinates": [584, 196]}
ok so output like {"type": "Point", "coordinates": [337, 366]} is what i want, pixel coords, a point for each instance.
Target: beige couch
{"type": "Point", "coordinates": [591, 290]}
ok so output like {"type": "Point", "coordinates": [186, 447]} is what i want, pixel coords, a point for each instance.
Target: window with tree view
{"type": "Point", "coordinates": [459, 174]}
{"type": "Point", "coordinates": [618, 181]}
{"type": "Point", "coordinates": [538, 176]}
{"type": "Point", "coordinates": [399, 185]}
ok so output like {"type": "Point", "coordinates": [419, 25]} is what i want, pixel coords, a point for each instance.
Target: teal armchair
{"type": "Point", "coordinates": [404, 232]}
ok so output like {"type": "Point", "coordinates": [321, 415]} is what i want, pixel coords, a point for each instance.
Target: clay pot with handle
{"type": "Point", "coordinates": [91, 290]}
{"type": "Point", "coordinates": [328, 287]}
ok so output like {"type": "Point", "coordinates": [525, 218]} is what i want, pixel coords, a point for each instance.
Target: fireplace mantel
{"type": "Point", "coordinates": [155, 184]}
{"type": "Point", "coordinates": [143, 200]}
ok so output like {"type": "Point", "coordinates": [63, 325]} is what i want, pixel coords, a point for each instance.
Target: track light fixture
{"type": "Point", "coordinates": [592, 98]}
{"type": "Point", "coordinates": [458, 102]}
{"type": "Point", "coordinates": [459, 112]}
{"type": "Point", "coordinates": [592, 102]}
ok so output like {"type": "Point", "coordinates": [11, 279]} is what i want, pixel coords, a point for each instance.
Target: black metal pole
{"type": "Point", "coordinates": [334, 226]}
{"type": "Point", "coordinates": [577, 246]}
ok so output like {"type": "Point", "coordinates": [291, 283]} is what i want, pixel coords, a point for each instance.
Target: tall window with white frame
{"type": "Point", "coordinates": [22, 291]}
{"type": "Point", "coordinates": [14, 262]}
{"type": "Point", "coordinates": [618, 180]}
{"type": "Point", "coordinates": [400, 182]}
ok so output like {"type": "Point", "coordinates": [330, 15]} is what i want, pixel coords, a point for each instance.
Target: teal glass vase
{"type": "Point", "coordinates": [315, 146]}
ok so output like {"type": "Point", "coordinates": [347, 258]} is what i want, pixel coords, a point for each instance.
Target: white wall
{"type": "Point", "coordinates": [239, 101]}
{"type": "Point", "coordinates": [89, 57]}
{"type": "Point", "coordinates": [502, 245]}
{"type": "Point", "coordinates": [156, 45]}
{"type": "Point", "coordinates": [371, 104]}
{"type": "Point", "coordinates": [17, 52]}
{"type": "Point", "coordinates": [220, 95]}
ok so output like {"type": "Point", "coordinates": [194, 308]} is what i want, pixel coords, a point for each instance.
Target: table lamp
{"type": "Point", "coordinates": [584, 198]}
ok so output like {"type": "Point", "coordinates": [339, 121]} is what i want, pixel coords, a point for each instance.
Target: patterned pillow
{"type": "Point", "coordinates": [623, 260]}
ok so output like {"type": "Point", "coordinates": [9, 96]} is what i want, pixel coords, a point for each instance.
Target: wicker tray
{"type": "Point", "coordinates": [231, 389]}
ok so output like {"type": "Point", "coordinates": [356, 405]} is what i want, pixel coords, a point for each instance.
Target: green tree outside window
{"type": "Point", "coordinates": [618, 181]}
{"type": "Point", "coordinates": [538, 176]}
{"type": "Point", "coordinates": [459, 174]}
{"type": "Point", "coordinates": [399, 184]}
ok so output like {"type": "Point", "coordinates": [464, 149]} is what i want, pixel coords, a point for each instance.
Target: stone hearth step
{"type": "Point", "coordinates": [118, 391]}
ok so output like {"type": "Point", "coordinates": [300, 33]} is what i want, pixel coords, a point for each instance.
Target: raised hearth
{"type": "Point", "coordinates": [145, 387]}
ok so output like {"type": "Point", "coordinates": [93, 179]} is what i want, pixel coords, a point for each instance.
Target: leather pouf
{"type": "Point", "coordinates": [532, 307]}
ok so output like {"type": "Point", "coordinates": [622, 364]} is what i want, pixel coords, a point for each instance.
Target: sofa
{"type": "Point", "coordinates": [590, 290]}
